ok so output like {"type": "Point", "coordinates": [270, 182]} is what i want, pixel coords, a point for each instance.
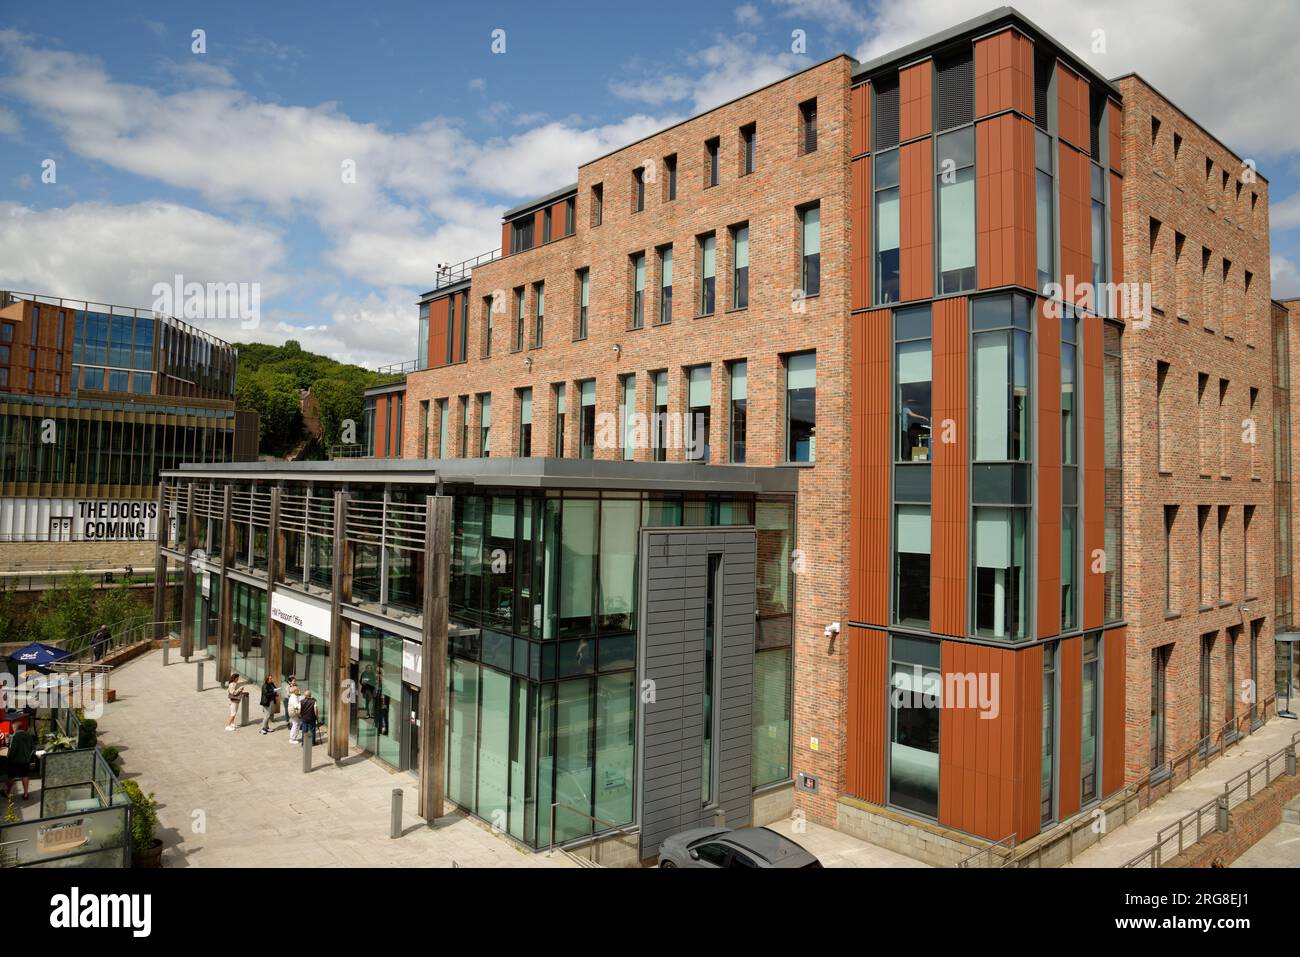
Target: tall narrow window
{"type": "Point", "coordinates": [638, 290]}
{"type": "Point", "coordinates": [670, 177]}
{"type": "Point", "coordinates": [462, 341]}
{"type": "Point", "coordinates": [1044, 211]}
{"type": "Point", "coordinates": [712, 612]}
{"type": "Point", "coordinates": [1171, 518]}
{"type": "Point", "coordinates": [424, 428]}
{"type": "Point", "coordinates": [739, 409]}
{"type": "Point", "coordinates": [699, 401]}
{"type": "Point", "coordinates": [558, 441]}
{"type": "Point", "coordinates": [913, 374]}
{"type": "Point", "coordinates": [546, 225]}
{"type": "Point", "coordinates": [597, 204]}
{"type": "Point", "coordinates": [808, 126]}
{"type": "Point", "coordinates": [1089, 753]}
{"type": "Point", "coordinates": [1159, 666]}
{"type": "Point", "coordinates": [587, 422]}
{"type": "Point", "coordinates": [955, 175]}
{"type": "Point", "coordinates": [638, 189]}
{"type": "Point", "coordinates": [914, 691]}
{"type": "Point", "coordinates": [1218, 548]}
{"type": "Point", "coordinates": [487, 326]}
{"type": "Point", "coordinates": [1001, 593]}
{"type": "Point", "coordinates": [539, 314]}
{"type": "Point", "coordinates": [1047, 778]}
{"type": "Point", "coordinates": [708, 277]}
{"type": "Point", "coordinates": [1206, 686]}
{"type": "Point", "coordinates": [464, 426]}
{"type": "Point", "coordinates": [659, 427]}
{"type": "Point", "coordinates": [801, 407]}
{"type": "Point", "coordinates": [525, 423]}
{"type": "Point", "coordinates": [1001, 369]}
{"type": "Point", "coordinates": [584, 299]}
{"type": "Point", "coordinates": [485, 425]}
{"type": "Point", "coordinates": [711, 162]}
{"type": "Point", "coordinates": [886, 232]}
{"type": "Point", "coordinates": [422, 338]}
{"type": "Point", "coordinates": [1206, 591]}
{"type": "Point", "coordinates": [519, 318]}
{"type": "Point", "coordinates": [665, 284]}
{"type": "Point", "coordinates": [627, 414]}
{"type": "Point", "coordinates": [444, 429]}
{"type": "Point", "coordinates": [1164, 449]}
{"type": "Point", "coordinates": [740, 266]}
{"type": "Point", "coordinates": [1098, 236]}
{"type": "Point", "coordinates": [450, 355]}
{"type": "Point", "coordinates": [912, 565]}
{"type": "Point", "coordinates": [748, 147]}
{"type": "Point", "coordinates": [569, 205]}
{"type": "Point", "coordinates": [1230, 680]}
{"type": "Point", "coordinates": [810, 228]}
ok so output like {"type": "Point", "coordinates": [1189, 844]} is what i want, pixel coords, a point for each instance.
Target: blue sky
{"type": "Point", "coordinates": [225, 166]}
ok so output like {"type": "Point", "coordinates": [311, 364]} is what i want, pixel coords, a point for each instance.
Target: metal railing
{"type": "Point", "coordinates": [446, 275]}
{"type": "Point", "coordinates": [593, 843]}
{"type": "Point", "coordinates": [399, 368]}
{"type": "Point", "coordinates": [998, 854]}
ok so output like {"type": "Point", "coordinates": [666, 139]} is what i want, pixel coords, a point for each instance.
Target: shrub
{"type": "Point", "coordinates": [144, 816]}
{"type": "Point", "coordinates": [88, 734]}
{"type": "Point", "coordinates": [110, 756]}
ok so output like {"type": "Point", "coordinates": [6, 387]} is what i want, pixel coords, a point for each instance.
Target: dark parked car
{"type": "Point", "coordinates": [721, 847]}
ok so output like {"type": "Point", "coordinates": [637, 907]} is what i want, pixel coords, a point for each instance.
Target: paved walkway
{"type": "Point", "coordinates": [837, 849]}
{"type": "Point", "coordinates": [1280, 847]}
{"type": "Point", "coordinates": [241, 800]}
{"type": "Point", "coordinates": [1133, 837]}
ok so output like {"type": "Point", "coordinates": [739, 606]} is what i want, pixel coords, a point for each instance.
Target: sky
{"type": "Point", "coordinates": [332, 154]}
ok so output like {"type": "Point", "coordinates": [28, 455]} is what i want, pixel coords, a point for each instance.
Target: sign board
{"type": "Point", "coordinates": [411, 662]}
{"type": "Point", "coordinates": [305, 616]}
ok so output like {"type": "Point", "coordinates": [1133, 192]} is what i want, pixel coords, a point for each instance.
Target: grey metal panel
{"type": "Point", "coordinates": [670, 651]}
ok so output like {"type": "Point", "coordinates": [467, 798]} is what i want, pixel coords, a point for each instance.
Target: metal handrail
{"type": "Point", "coordinates": [446, 275]}
{"type": "Point", "coordinates": [1009, 841]}
{"type": "Point", "coordinates": [609, 830]}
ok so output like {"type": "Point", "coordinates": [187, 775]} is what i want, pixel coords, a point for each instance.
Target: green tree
{"type": "Point", "coordinates": [65, 612]}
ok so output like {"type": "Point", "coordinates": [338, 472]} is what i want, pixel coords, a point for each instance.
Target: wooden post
{"type": "Point", "coordinates": [274, 631]}
{"type": "Point", "coordinates": [433, 654]}
{"type": "Point", "coordinates": [187, 588]}
{"type": "Point", "coordinates": [341, 634]}
{"type": "Point", "coordinates": [160, 568]}
{"type": "Point", "coordinates": [225, 656]}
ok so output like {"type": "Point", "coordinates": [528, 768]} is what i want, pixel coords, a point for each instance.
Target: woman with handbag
{"type": "Point", "coordinates": [234, 693]}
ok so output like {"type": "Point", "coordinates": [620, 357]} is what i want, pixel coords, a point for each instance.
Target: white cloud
{"type": "Point", "coordinates": [1285, 277]}
{"type": "Point", "coordinates": [1284, 214]}
{"type": "Point", "coordinates": [747, 15]}
{"type": "Point", "coordinates": [8, 121]}
{"type": "Point", "coordinates": [834, 13]}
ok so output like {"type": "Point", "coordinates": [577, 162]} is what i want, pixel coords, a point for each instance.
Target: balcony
{"type": "Point", "coordinates": [449, 275]}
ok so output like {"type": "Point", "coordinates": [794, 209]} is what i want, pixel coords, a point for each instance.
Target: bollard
{"type": "Point", "coordinates": [1223, 813]}
{"type": "Point", "coordinates": [719, 818]}
{"type": "Point", "coordinates": [199, 675]}
{"type": "Point", "coordinates": [243, 710]}
{"type": "Point", "coordinates": [167, 647]}
{"type": "Point", "coordinates": [306, 754]}
{"type": "Point", "coordinates": [1290, 761]}
{"type": "Point", "coordinates": [395, 823]}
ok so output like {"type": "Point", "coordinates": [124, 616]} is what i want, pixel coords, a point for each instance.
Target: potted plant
{"type": "Point", "coordinates": [110, 755]}
{"type": "Point", "coordinates": [146, 849]}
{"type": "Point", "coordinates": [88, 734]}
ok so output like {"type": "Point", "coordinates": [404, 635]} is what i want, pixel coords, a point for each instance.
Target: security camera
{"type": "Point", "coordinates": [832, 629]}
{"type": "Point", "coordinates": [617, 348]}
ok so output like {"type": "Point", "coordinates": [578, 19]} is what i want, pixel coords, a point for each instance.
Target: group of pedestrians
{"type": "Point", "coordinates": [299, 705]}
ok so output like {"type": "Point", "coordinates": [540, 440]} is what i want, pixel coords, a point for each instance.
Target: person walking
{"type": "Point", "coordinates": [308, 715]}
{"type": "Point", "coordinates": [294, 706]}
{"type": "Point", "coordinates": [285, 685]}
{"type": "Point", "coordinates": [22, 749]}
{"type": "Point", "coordinates": [270, 698]}
{"type": "Point", "coordinates": [100, 642]}
{"type": "Point", "coordinates": [235, 694]}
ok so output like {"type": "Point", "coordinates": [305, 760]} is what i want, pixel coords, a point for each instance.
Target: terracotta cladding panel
{"type": "Point", "coordinates": [860, 241]}
{"type": "Point", "coordinates": [1113, 726]}
{"type": "Point", "coordinates": [1004, 204]}
{"type": "Point", "coordinates": [505, 239]}
{"type": "Point", "coordinates": [871, 437]}
{"type": "Point", "coordinates": [916, 221]}
{"type": "Point", "coordinates": [1004, 74]}
{"type": "Point", "coordinates": [1048, 489]}
{"type": "Point", "coordinates": [438, 332]}
{"type": "Point", "coordinates": [1093, 471]}
{"type": "Point", "coordinates": [539, 221]}
{"type": "Point", "coordinates": [557, 220]}
{"type": "Point", "coordinates": [1076, 212]}
{"type": "Point", "coordinates": [1072, 108]}
{"type": "Point", "coordinates": [1029, 698]}
{"type": "Point", "coordinates": [861, 107]}
{"type": "Point", "coordinates": [1070, 663]}
{"type": "Point", "coordinates": [1116, 228]}
{"type": "Point", "coordinates": [949, 519]}
{"type": "Point", "coordinates": [915, 100]}
{"type": "Point", "coordinates": [982, 762]}
{"type": "Point", "coordinates": [864, 775]}
{"type": "Point", "coordinates": [381, 433]}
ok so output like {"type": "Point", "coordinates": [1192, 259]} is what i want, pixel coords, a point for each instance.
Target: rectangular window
{"type": "Point", "coordinates": [670, 177]}
{"type": "Point", "coordinates": [912, 565]}
{"type": "Point", "coordinates": [801, 407]}
{"type": "Point", "coordinates": [464, 426]}
{"type": "Point", "coordinates": [1047, 778]}
{"type": "Point", "coordinates": [525, 423]}
{"type": "Point", "coordinates": [740, 266]}
{"type": "Point", "coordinates": [519, 319]}
{"type": "Point", "coordinates": [915, 682]}
{"type": "Point", "coordinates": [1098, 234]}
{"type": "Point", "coordinates": [955, 175]}
{"type": "Point", "coordinates": [1159, 666]}
{"type": "Point", "coordinates": [1230, 680]}
{"type": "Point", "coordinates": [954, 81]}
{"type": "Point", "coordinates": [424, 428]}
{"type": "Point", "coordinates": [463, 340]}
{"type": "Point", "coordinates": [1069, 376]}
{"type": "Point", "coordinates": [748, 140]}
{"type": "Point", "coordinates": [521, 234]}
{"type": "Point", "coordinates": [913, 373]}
{"type": "Point", "coordinates": [1069, 566]}
{"type": "Point", "coordinates": [638, 189]}
{"type": "Point", "coordinates": [1001, 592]}
{"type": "Point", "coordinates": [1247, 581]}
{"type": "Point", "coordinates": [1218, 557]}
{"type": "Point", "coordinates": [450, 339]}
{"type": "Point", "coordinates": [584, 299]}
{"type": "Point", "coordinates": [886, 232]}
{"type": "Point", "coordinates": [627, 416]}
{"type": "Point", "coordinates": [1089, 757]}
{"type": "Point", "coordinates": [1001, 369]}
{"type": "Point", "coordinates": [558, 442]}
{"type": "Point", "coordinates": [1164, 447]}
{"type": "Point", "coordinates": [597, 204]}
{"type": "Point", "coordinates": [638, 290]}
{"type": "Point", "coordinates": [711, 162]}
{"type": "Point", "coordinates": [546, 225]}
{"type": "Point", "coordinates": [444, 426]}
{"type": "Point", "coordinates": [539, 314]}
{"type": "Point", "coordinates": [587, 420]}
{"type": "Point", "coordinates": [665, 284]}
{"type": "Point", "coordinates": [712, 613]}
{"type": "Point", "coordinates": [1202, 555]}
{"type": "Point", "coordinates": [569, 205]}
{"type": "Point", "coordinates": [659, 430]}
{"type": "Point", "coordinates": [808, 126]}
{"type": "Point", "coordinates": [708, 278]}
{"type": "Point", "coordinates": [485, 425]}
{"type": "Point", "coordinates": [739, 407]}
{"type": "Point", "coordinates": [422, 338]}
{"type": "Point", "coordinates": [1171, 518]}
{"type": "Point", "coordinates": [699, 402]}
{"type": "Point", "coordinates": [487, 326]}
{"type": "Point", "coordinates": [810, 230]}
{"type": "Point", "coordinates": [1206, 692]}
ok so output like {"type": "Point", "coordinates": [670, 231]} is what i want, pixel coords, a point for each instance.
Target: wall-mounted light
{"type": "Point", "coordinates": [528, 362]}
{"type": "Point", "coordinates": [617, 348]}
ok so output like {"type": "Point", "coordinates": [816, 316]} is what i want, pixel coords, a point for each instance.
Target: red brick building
{"type": "Point", "coordinates": [1020, 558]}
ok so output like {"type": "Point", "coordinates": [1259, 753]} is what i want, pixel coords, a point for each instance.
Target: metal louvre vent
{"type": "Point", "coordinates": [955, 104]}
{"type": "Point", "coordinates": [1042, 82]}
{"type": "Point", "coordinates": [1096, 113]}
{"type": "Point", "coordinates": [886, 113]}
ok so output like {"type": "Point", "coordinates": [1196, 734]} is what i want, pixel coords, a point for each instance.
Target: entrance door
{"type": "Point", "coordinates": [412, 759]}
{"type": "Point", "coordinates": [695, 658]}
{"type": "Point", "coordinates": [60, 529]}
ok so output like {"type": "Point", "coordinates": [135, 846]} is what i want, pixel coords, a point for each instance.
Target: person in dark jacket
{"type": "Point", "coordinates": [270, 695]}
{"type": "Point", "coordinates": [100, 642]}
{"type": "Point", "coordinates": [22, 748]}
{"type": "Point", "coordinates": [307, 712]}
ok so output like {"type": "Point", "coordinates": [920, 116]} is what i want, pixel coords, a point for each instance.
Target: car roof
{"type": "Point", "coordinates": [767, 844]}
